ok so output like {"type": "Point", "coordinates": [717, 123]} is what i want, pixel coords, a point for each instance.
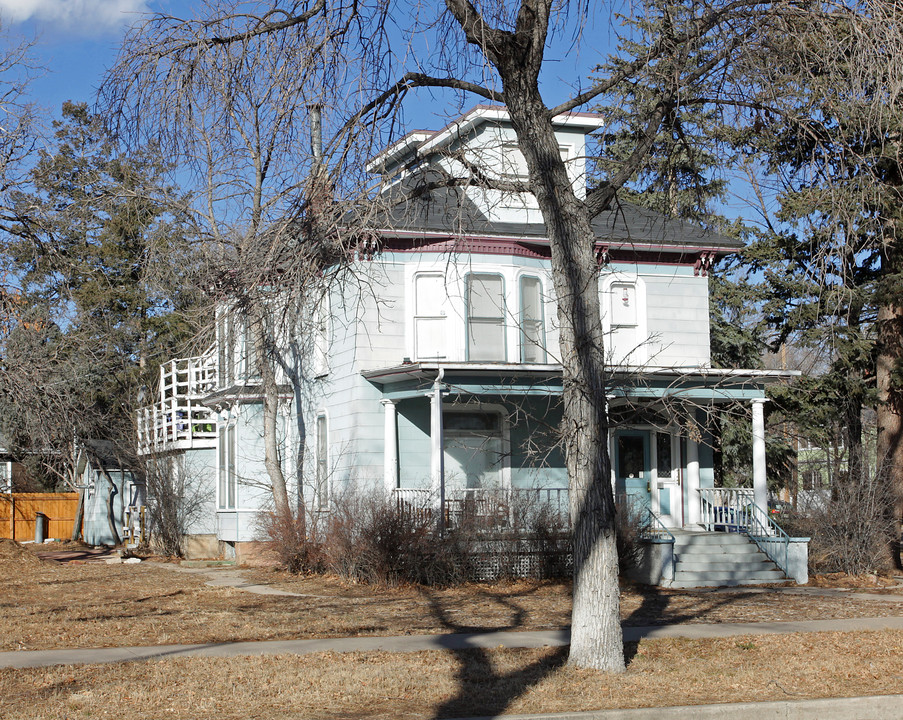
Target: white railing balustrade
{"type": "Point", "coordinates": [489, 509]}
{"type": "Point", "coordinates": [722, 508]}
{"type": "Point", "coordinates": [179, 416]}
{"type": "Point", "coordinates": [734, 509]}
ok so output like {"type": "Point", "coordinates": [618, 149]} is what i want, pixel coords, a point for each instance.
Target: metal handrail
{"type": "Point", "coordinates": [768, 536]}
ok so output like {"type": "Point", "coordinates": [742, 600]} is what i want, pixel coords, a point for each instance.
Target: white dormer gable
{"type": "Point", "coordinates": [483, 144]}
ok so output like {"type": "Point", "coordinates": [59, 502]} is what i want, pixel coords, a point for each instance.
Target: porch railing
{"type": "Point", "coordinates": [489, 509]}
{"type": "Point", "coordinates": [767, 535]}
{"type": "Point", "coordinates": [178, 416]}
{"type": "Point", "coordinates": [722, 508]}
{"type": "Point", "coordinates": [734, 509]}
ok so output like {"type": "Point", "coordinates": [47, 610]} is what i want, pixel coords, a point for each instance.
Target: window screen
{"type": "Point", "coordinates": [429, 316]}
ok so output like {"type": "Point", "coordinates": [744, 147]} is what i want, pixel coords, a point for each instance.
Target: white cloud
{"type": "Point", "coordinates": [88, 16]}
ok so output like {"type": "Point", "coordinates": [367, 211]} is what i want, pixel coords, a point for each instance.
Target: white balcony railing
{"type": "Point", "coordinates": [178, 419]}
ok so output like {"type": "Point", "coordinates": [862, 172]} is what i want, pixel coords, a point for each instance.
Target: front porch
{"type": "Point", "coordinates": [462, 433]}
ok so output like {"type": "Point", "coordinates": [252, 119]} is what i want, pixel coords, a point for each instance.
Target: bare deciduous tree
{"type": "Point", "coordinates": [235, 105]}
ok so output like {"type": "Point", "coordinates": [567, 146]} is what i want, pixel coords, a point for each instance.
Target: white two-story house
{"type": "Point", "coordinates": [435, 375]}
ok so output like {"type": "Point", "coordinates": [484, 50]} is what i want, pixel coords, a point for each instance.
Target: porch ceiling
{"type": "Point", "coordinates": [499, 379]}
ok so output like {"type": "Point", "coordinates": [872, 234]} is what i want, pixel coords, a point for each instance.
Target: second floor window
{"type": "Point", "coordinates": [429, 316]}
{"type": "Point", "coordinates": [532, 327]}
{"type": "Point", "coordinates": [623, 305]}
{"type": "Point", "coordinates": [485, 317]}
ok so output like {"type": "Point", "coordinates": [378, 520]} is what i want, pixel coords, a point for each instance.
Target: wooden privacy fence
{"type": "Point", "coordinates": [18, 512]}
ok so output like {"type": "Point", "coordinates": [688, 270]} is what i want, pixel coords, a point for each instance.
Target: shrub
{"type": "Point", "coordinates": [291, 541]}
{"type": "Point", "coordinates": [176, 499]}
{"type": "Point", "coordinates": [372, 537]}
{"type": "Point", "coordinates": [631, 524]}
{"type": "Point", "coordinates": [852, 531]}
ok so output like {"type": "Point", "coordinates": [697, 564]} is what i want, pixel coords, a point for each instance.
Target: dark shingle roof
{"type": "Point", "coordinates": [448, 211]}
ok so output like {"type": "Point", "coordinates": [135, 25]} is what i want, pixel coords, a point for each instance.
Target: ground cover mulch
{"type": "Point", "coordinates": [45, 605]}
{"type": "Point", "coordinates": [444, 684]}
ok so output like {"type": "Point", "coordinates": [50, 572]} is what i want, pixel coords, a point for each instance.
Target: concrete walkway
{"type": "Point", "coordinates": [232, 577]}
{"type": "Point", "coordinates": [413, 643]}
{"type": "Point", "coordinates": [869, 707]}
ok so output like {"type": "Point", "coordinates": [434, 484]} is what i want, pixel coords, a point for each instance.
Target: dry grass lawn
{"type": "Point", "coordinates": [442, 684]}
{"type": "Point", "coordinates": [46, 605]}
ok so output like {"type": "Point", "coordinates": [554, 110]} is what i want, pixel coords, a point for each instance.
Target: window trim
{"type": "Point", "coordinates": [416, 315]}
{"type": "Point", "coordinates": [640, 352]}
{"type": "Point", "coordinates": [322, 480]}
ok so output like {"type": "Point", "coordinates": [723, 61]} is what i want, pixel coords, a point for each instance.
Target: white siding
{"type": "Point", "coordinates": [678, 320]}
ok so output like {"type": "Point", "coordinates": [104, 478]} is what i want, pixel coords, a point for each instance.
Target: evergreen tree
{"type": "Point", "coordinates": [834, 263]}
{"type": "Point", "coordinates": [97, 270]}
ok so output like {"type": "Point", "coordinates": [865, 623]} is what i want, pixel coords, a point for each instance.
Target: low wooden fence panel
{"type": "Point", "coordinates": [18, 512]}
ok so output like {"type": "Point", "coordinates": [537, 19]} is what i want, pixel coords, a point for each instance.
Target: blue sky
{"type": "Point", "coordinates": [77, 40]}
{"type": "Point", "coordinates": [74, 41]}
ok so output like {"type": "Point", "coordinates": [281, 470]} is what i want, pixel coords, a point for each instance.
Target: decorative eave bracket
{"type": "Point", "coordinates": [704, 263]}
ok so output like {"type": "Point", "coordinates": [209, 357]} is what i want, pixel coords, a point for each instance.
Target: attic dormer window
{"type": "Point", "coordinates": [514, 164]}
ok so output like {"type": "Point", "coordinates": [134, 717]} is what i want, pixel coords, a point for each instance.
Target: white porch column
{"type": "Point", "coordinates": [760, 479]}
{"type": "Point", "coordinates": [437, 444]}
{"type": "Point", "coordinates": [390, 451]}
{"type": "Point", "coordinates": [693, 513]}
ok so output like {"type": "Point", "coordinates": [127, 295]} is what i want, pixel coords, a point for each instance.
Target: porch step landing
{"type": "Point", "coordinates": [718, 559]}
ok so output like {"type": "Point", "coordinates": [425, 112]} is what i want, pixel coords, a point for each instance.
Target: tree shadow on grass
{"type": "Point", "coordinates": [482, 689]}
{"type": "Point", "coordinates": [655, 611]}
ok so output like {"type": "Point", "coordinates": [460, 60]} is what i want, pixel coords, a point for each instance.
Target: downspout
{"type": "Point", "coordinates": [438, 448]}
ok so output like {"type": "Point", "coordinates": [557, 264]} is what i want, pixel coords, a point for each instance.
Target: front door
{"type": "Point", "coordinates": [666, 499]}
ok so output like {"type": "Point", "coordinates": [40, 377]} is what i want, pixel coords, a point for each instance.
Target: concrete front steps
{"type": "Point", "coordinates": [718, 559]}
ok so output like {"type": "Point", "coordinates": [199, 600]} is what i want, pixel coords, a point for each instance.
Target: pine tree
{"type": "Point", "coordinates": [98, 271]}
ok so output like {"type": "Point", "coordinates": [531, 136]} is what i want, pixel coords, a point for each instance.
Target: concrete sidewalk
{"type": "Point", "coordinates": [413, 643]}
{"type": "Point", "coordinates": [869, 707]}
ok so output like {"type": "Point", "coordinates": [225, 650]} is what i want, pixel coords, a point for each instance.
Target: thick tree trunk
{"type": "Point", "coordinates": [266, 366]}
{"type": "Point", "coordinates": [890, 414]}
{"type": "Point", "coordinates": [596, 639]}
